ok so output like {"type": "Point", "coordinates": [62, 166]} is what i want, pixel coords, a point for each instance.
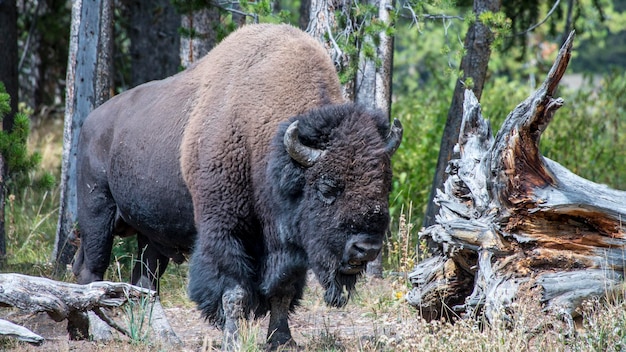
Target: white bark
{"type": "Point", "coordinates": [88, 85]}
{"type": "Point", "coordinates": [9, 329]}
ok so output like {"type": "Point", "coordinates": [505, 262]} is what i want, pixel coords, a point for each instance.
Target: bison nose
{"type": "Point", "coordinates": [364, 251]}
{"type": "Point", "coordinates": [358, 251]}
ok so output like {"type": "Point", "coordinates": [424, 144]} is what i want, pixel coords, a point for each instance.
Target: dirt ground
{"type": "Point", "coordinates": [314, 326]}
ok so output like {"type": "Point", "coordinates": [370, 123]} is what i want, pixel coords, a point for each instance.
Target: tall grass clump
{"type": "Point", "coordinates": [30, 226]}
{"type": "Point", "coordinates": [138, 315]}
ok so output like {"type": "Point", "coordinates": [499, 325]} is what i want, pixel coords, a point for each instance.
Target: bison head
{"type": "Point", "coordinates": [331, 178]}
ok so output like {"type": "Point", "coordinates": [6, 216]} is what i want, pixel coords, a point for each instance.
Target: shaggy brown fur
{"type": "Point", "coordinates": [265, 86]}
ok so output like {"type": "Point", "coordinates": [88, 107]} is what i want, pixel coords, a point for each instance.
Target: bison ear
{"type": "Point", "coordinates": [394, 137]}
{"type": "Point", "coordinates": [302, 154]}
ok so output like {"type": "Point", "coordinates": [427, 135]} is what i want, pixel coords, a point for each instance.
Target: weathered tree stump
{"type": "Point", "coordinates": [510, 216]}
{"type": "Point", "coordinates": [80, 305]}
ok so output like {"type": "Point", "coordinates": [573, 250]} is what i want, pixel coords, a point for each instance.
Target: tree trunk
{"type": "Point", "coordinates": [154, 38]}
{"type": "Point", "coordinates": [9, 77]}
{"type": "Point", "coordinates": [31, 68]}
{"type": "Point", "coordinates": [202, 37]}
{"type": "Point", "coordinates": [322, 26]}
{"type": "Point", "coordinates": [305, 10]}
{"type": "Point", "coordinates": [474, 65]}
{"type": "Point", "coordinates": [511, 219]}
{"type": "Point", "coordinates": [8, 57]}
{"type": "Point", "coordinates": [88, 85]}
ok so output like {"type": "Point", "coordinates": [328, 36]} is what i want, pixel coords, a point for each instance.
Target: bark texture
{"type": "Point", "coordinates": [155, 42]}
{"type": "Point", "coordinates": [509, 216]}
{"type": "Point", "coordinates": [203, 37]}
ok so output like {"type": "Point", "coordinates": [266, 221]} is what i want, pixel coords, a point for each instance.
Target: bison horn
{"type": "Point", "coordinates": [305, 156]}
{"type": "Point", "coordinates": [393, 139]}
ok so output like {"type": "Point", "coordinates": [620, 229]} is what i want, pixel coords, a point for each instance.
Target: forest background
{"type": "Point", "coordinates": [586, 136]}
{"type": "Point", "coordinates": [427, 53]}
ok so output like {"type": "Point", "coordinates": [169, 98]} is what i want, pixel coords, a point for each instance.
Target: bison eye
{"type": "Point", "coordinates": [328, 190]}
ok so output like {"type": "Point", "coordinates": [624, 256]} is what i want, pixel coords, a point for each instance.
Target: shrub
{"type": "Point", "coordinates": [20, 164]}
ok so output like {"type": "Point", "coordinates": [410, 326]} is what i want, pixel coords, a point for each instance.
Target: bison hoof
{"type": "Point", "coordinates": [284, 344]}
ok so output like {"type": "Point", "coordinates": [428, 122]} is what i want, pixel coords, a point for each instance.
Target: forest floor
{"type": "Point", "coordinates": [315, 327]}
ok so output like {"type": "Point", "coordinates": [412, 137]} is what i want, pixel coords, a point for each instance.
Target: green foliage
{"type": "Point", "coordinates": [123, 257]}
{"type": "Point", "coordinates": [498, 23]}
{"type": "Point", "coordinates": [428, 52]}
{"type": "Point", "coordinates": [138, 315]}
{"type": "Point", "coordinates": [13, 146]}
{"type": "Point", "coordinates": [500, 96]}
{"type": "Point", "coordinates": [30, 215]}
{"type": "Point", "coordinates": [423, 117]}
{"type": "Point", "coordinates": [422, 87]}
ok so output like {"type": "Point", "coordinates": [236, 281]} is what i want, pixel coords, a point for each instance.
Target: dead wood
{"type": "Point", "coordinates": [21, 333]}
{"type": "Point", "coordinates": [80, 305]}
{"type": "Point", "coordinates": [510, 216]}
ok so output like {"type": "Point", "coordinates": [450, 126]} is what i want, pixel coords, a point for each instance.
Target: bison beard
{"type": "Point", "coordinates": [251, 160]}
{"type": "Point", "coordinates": [339, 289]}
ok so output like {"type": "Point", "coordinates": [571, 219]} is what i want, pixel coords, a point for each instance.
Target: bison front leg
{"type": "Point", "coordinates": [278, 333]}
{"type": "Point", "coordinates": [233, 301]}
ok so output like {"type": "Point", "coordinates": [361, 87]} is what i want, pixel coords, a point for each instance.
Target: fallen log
{"type": "Point", "coordinates": [80, 305]}
{"type": "Point", "coordinates": [512, 218]}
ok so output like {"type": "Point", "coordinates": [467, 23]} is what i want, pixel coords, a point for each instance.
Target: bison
{"type": "Point", "coordinates": [252, 162]}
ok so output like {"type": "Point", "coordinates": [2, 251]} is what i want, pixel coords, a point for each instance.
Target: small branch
{"type": "Point", "coordinates": [21, 333]}
{"type": "Point", "coordinates": [442, 17]}
{"type": "Point", "coordinates": [105, 318]}
{"type": "Point", "coordinates": [531, 28]}
{"type": "Point", "coordinates": [224, 5]}
{"type": "Point", "coordinates": [416, 18]}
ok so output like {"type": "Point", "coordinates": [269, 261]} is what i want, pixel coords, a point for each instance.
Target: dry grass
{"type": "Point", "coordinates": [377, 319]}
